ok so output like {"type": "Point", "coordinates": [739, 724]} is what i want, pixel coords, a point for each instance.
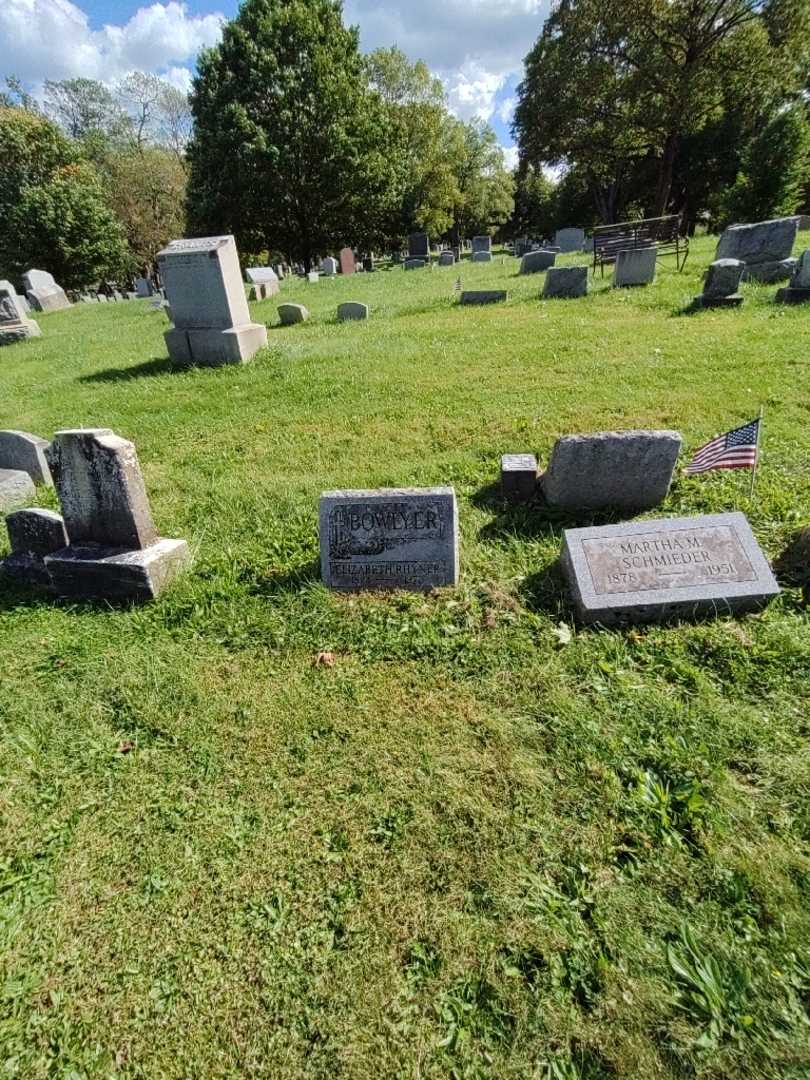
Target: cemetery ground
{"type": "Point", "coordinates": [260, 829]}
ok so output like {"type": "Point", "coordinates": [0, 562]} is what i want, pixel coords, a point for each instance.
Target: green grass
{"type": "Point", "coordinates": [476, 845]}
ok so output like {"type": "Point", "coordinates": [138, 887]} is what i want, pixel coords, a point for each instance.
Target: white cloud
{"type": "Point", "coordinates": [506, 109]}
{"type": "Point", "coordinates": [52, 39]}
{"type": "Point", "coordinates": [471, 92]}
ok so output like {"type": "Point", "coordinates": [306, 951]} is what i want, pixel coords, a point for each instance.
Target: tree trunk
{"type": "Point", "coordinates": [666, 167]}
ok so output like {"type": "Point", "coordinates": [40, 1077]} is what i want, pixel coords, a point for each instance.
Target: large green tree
{"type": "Point", "coordinates": [484, 186]}
{"type": "Point", "coordinates": [289, 150]}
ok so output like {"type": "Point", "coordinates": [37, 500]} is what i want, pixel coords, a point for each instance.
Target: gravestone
{"type": "Point", "coordinates": [16, 488]}
{"type": "Point", "coordinates": [566, 282]}
{"type": "Point", "coordinates": [348, 263]}
{"type": "Point", "coordinates": [43, 293]}
{"type": "Point", "coordinates": [447, 258]}
{"type": "Point", "coordinates": [33, 534]}
{"type": "Point", "coordinates": [482, 243]}
{"type": "Point", "coordinates": [19, 450]}
{"type": "Point", "coordinates": [290, 314]}
{"type": "Point", "coordinates": [482, 256]}
{"type": "Point", "coordinates": [368, 264]}
{"type": "Point", "coordinates": [649, 571]}
{"type": "Point", "coordinates": [14, 324]}
{"type": "Point", "coordinates": [264, 282]}
{"type": "Point", "coordinates": [534, 262]}
{"type": "Point", "coordinates": [22, 309]}
{"type": "Point", "coordinates": [352, 310]}
{"type": "Point", "coordinates": [569, 240]}
{"type": "Point", "coordinates": [804, 222]}
{"type": "Point", "coordinates": [519, 477]}
{"type": "Point", "coordinates": [419, 246]}
{"type": "Point", "coordinates": [415, 264]}
{"type": "Point", "coordinates": [144, 287]}
{"type": "Point", "coordinates": [798, 292]}
{"type": "Point", "coordinates": [389, 539]}
{"type": "Point", "coordinates": [721, 287]}
{"type": "Point", "coordinates": [329, 266]}
{"type": "Point", "coordinates": [765, 247]}
{"type": "Point", "coordinates": [114, 549]}
{"type": "Point", "coordinates": [484, 296]}
{"type": "Point", "coordinates": [313, 277]}
{"type": "Point", "coordinates": [628, 470]}
{"type": "Point", "coordinates": [209, 309]}
{"type": "Point", "coordinates": [635, 267]}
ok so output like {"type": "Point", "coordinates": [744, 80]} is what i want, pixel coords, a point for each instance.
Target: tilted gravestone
{"type": "Point", "coordinates": [721, 287]}
{"type": "Point", "coordinates": [566, 282]}
{"type": "Point", "coordinates": [264, 282]}
{"type": "Point", "coordinates": [569, 240]}
{"type": "Point", "coordinates": [635, 267]}
{"type": "Point", "coordinates": [391, 538]}
{"type": "Point", "coordinates": [798, 292]}
{"type": "Point", "coordinates": [519, 477]}
{"type": "Point", "coordinates": [534, 262]}
{"type": "Point", "coordinates": [488, 296]}
{"type": "Point", "coordinates": [419, 246]}
{"type": "Point", "coordinates": [629, 470]}
{"type": "Point", "coordinates": [765, 247]}
{"type": "Point", "coordinates": [19, 450]}
{"type": "Point", "coordinates": [348, 263]}
{"type": "Point", "coordinates": [33, 534]}
{"type": "Point", "coordinates": [290, 314]}
{"type": "Point", "coordinates": [653, 570]}
{"type": "Point", "coordinates": [14, 324]}
{"type": "Point", "coordinates": [352, 310]}
{"type": "Point", "coordinates": [208, 305]}
{"type": "Point", "coordinates": [43, 293]}
{"type": "Point", "coordinates": [114, 549]}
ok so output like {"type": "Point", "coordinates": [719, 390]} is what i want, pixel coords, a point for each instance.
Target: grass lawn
{"type": "Point", "coordinates": [480, 842]}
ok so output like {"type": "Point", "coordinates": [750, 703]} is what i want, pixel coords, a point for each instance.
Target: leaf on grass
{"type": "Point", "coordinates": [325, 659]}
{"type": "Point", "coordinates": [562, 632]}
{"type": "Point", "coordinates": [125, 746]}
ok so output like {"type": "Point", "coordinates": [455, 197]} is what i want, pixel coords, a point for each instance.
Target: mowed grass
{"type": "Point", "coordinates": [472, 840]}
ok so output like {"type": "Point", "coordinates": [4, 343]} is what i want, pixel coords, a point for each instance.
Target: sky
{"type": "Point", "coordinates": [475, 46]}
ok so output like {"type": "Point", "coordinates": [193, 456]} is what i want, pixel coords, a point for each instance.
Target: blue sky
{"type": "Point", "coordinates": [475, 46]}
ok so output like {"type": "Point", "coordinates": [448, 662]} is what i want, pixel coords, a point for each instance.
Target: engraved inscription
{"type": "Point", "coordinates": [203, 243]}
{"type": "Point", "coordinates": [364, 529]}
{"type": "Point", "coordinates": [681, 559]}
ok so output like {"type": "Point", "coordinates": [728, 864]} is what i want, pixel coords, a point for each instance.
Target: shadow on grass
{"type": "Point", "coordinates": [534, 519]}
{"type": "Point", "coordinates": [547, 592]}
{"type": "Point", "coordinates": [14, 595]}
{"type": "Point", "coordinates": [159, 365]}
{"type": "Point", "coordinates": [270, 584]}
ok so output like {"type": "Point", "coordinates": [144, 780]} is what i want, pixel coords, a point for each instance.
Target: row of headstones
{"type": "Point", "coordinates": [760, 252]}
{"type": "Point", "coordinates": [105, 543]}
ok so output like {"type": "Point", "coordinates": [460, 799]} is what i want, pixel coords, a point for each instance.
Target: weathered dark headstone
{"type": "Point", "coordinates": [798, 292]}
{"type": "Point", "coordinates": [484, 296]}
{"type": "Point", "coordinates": [352, 310]}
{"type": "Point", "coordinates": [481, 243]}
{"type": "Point", "coordinates": [14, 323]}
{"type": "Point", "coordinates": [447, 258]}
{"type": "Point", "coordinates": [635, 267]}
{"type": "Point", "coordinates": [482, 257]}
{"type": "Point", "coordinates": [389, 539]}
{"type": "Point", "coordinates": [290, 314]}
{"type": "Point", "coordinates": [419, 246]}
{"type": "Point", "coordinates": [519, 477]}
{"type": "Point", "coordinates": [566, 282]}
{"type": "Point", "coordinates": [569, 240]}
{"type": "Point", "coordinates": [415, 264]}
{"type": "Point", "coordinates": [765, 247]}
{"type": "Point", "coordinates": [534, 262]}
{"type": "Point", "coordinates": [652, 570]}
{"type": "Point", "coordinates": [721, 287]}
{"type": "Point", "coordinates": [33, 534]}
{"type": "Point", "coordinates": [19, 450]}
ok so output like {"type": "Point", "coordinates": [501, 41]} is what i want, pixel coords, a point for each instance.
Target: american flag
{"type": "Point", "coordinates": [736, 449]}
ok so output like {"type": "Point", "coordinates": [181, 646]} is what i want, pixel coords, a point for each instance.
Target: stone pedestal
{"type": "Point", "coordinates": [92, 570]}
{"type": "Point", "coordinates": [519, 477]}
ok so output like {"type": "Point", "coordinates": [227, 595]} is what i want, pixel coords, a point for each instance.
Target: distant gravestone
{"type": "Point", "coordinates": [16, 488]}
{"type": "Point", "coordinates": [19, 450]}
{"type": "Point", "coordinates": [722, 284]}
{"type": "Point", "coordinates": [534, 262]}
{"type": "Point", "coordinates": [419, 246]}
{"type": "Point", "coordinates": [21, 307]}
{"type": "Point", "coordinates": [264, 282]}
{"type": "Point", "coordinates": [144, 287]}
{"type": "Point", "coordinates": [649, 571]}
{"type": "Point", "coordinates": [352, 310]}
{"type": "Point", "coordinates": [447, 258]}
{"type": "Point", "coordinates": [209, 308]}
{"type": "Point", "coordinates": [482, 256]}
{"type": "Point", "coordinates": [481, 243]}
{"type": "Point", "coordinates": [566, 282]}
{"type": "Point", "coordinates": [798, 292]}
{"type": "Point", "coordinates": [484, 296]}
{"type": "Point", "coordinates": [518, 477]}
{"type": "Point", "coordinates": [290, 314]}
{"type": "Point", "coordinates": [765, 247]}
{"type": "Point", "coordinates": [43, 293]}
{"type": "Point", "coordinates": [114, 549]}
{"type": "Point", "coordinates": [415, 264]}
{"type": "Point", "coordinates": [313, 277]}
{"type": "Point", "coordinates": [347, 261]}
{"type": "Point", "coordinates": [389, 539]}
{"type": "Point", "coordinates": [329, 266]}
{"type": "Point", "coordinates": [14, 324]}
{"type": "Point", "coordinates": [368, 264]}
{"type": "Point", "coordinates": [628, 470]}
{"type": "Point", "coordinates": [635, 267]}
{"type": "Point", "coordinates": [569, 240]}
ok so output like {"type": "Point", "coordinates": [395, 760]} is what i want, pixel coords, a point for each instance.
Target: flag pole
{"type": "Point", "coordinates": [756, 457]}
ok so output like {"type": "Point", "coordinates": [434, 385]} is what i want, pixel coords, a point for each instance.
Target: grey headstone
{"type": "Point", "coordinates": [36, 532]}
{"type": "Point", "coordinates": [482, 256]}
{"type": "Point", "coordinates": [723, 278]}
{"type": "Point", "coordinates": [481, 243]}
{"type": "Point", "coordinates": [419, 246]}
{"type": "Point", "coordinates": [799, 290]}
{"type": "Point", "coordinates": [101, 489]}
{"type": "Point", "coordinates": [635, 267]}
{"type": "Point", "coordinates": [14, 322]}
{"type": "Point", "coordinates": [329, 266]}
{"type": "Point", "coordinates": [447, 258]}
{"type": "Point", "coordinates": [292, 313]}
{"type": "Point", "coordinates": [415, 264]}
{"type": "Point", "coordinates": [611, 469]}
{"type": "Point", "coordinates": [519, 476]}
{"type": "Point", "coordinates": [653, 570]}
{"type": "Point", "coordinates": [19, 304]}
{"type": "Point", "coordinates": [43, 293]}
{"type": "Point", "coordinates": [352, 310]}
{"type": "Point", "coordinates": [313, 277]}
{"type": "Point", "coordinates": [86, 571]}
{"type": "Point", "coordinates": [534, 262]}
{"type": "Point", "coordinates": [404, 538]}
{"type": "Point", "coordinates": [569, 240]}
{"type": "Point", "coordinates": [16, 488]}
{"type": "Point", "coordinates": [767, 273]}
{"type": "Point", "coordinates": [263, 281]}
{"type": "Point", "coordinates": [763, 242]}
{"type": "Point", "coordinates": [19, 450]}
{"type": "Point", "coordinates": [481, 296]}
{"type": "Point", "coordinates": [566, 282]}
{"type": "Point", "coordinates": [143, 287]}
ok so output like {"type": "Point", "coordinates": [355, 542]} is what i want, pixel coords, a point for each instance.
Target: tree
{"type": "Point", "coordinates": [535, 213]}
{"type": "Point", "coordinates": [175, 121]}
{"type": "Point", "coordinates": [84, 107]}
{"type": "Point", "coordinates": [290, 147]}
{"type": "Point", "coordinates": [139, 94]}
{"type": "Point", "coordinates": [147, 191]}
{"type": "Point", "coordinates": [485, 188]}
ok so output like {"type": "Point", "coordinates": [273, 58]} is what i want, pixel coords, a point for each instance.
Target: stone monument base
{"type": "Point", "coordinates": [793, 296]}
{"type": "Point", "coordinates": [719, 301]}
{"type": "Point", "coordinates": [12, 332]}
{"type": "Point", "coordinates": [91, 570]}
{"type": "Point", "coordinates": [213, 348]}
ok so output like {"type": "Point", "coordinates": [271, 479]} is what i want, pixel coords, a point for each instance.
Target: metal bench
{"type": "Point", "coordinates": [663, 233]}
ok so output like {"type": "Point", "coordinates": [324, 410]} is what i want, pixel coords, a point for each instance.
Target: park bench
{"type": "Point", "coordinates": [663, 233]}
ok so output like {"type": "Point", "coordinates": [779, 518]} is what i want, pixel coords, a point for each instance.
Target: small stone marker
{"type": "Point", "coordinates": [391, 538]}
{"type": "Point", "coordinates": [143, 287]}
{"type": "Point", "coordinates": [19, 450]}
{"type": "Point", "coordinates": [368, 264]}
{"type": "Point", "coordinates": [419, 246]}
{"type": "Point", "coordinates": [481, 243]}
{"type": "Point", "coordinates": [569, 240]}
{"type": "Point", "coordinates": [415, 264]}
{"type": "Point", "coordinates": [43, 293]}
{"type": "Point", "coordinates": [313, 277]}
{"type": "Point", "coordinates": [721, 287]}
{"type": "Point", "coordinates": [765, 247]}
{"type": "Point", "coordinates": [534, 262]}
{"type": "Point", "coordinates": [519, 477]}
{"type": "Point", "coordinates": [447, 258]}
{"type": "Point", "coordinates": [629, 470]}
{"type": "Point", "coordinates": [16, 488]}
{"type": "Point", "coordinates": [33, 534]}
{"type": "Point", "coordinates": [348, 263]}
{"type": "Point", "coordinates": [264, 282]}
{"type": "Point", "coordinates": [114, 548]}
{"type": "Point", "coordinates": [482, 256]}
{"type": "Point", "coordinates": [209, 308]}
{"type": "Point", "coordinates": [352, 310]}
{"type": "Point", "coordinates": [14, 324]}
{"type": "Point", "coordinates": [648, 571]}
{"type": "Point", "coordinates": [635, 267]}
{"type": "Point", "coordinates": [484, 296]}
{"type": "Point", "coordinates": [566, 282]}
{"type": "Point", "coordinates": [329, 266]}
{"type": "Point", "coordinates": [798, 292]}
{"type": "Point", "coordinates": [292, 313]}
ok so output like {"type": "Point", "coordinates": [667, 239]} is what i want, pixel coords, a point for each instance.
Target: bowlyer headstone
{"type": "Point", "coordinates": [415, 264]}
{"type": "Point", "coordinates": [648, 571]}
{"type": "Point", "coordinates": [264, 282]}
{"type": "Point", "coordinates": [19, 450]}
{"type": "Point", "coordinates": [627, 470]}
{"type": "Point", "coordinates": [419, 246]}
{"type": "Point", "coordinates": [481, 257]}
{"type": "Point", "coordinates": [765, 247]}
{"type": "Point", "coordinates": [569, 240]}
{"type": "Point", "coordinates": [404, 538]}
{"type": "Point", "coordinates": [43, 293]}
{"type": "Point", "coordinates": [635, 266]}
{"type": "Point", "coordinates": [447, 258]}
{"type": "Point", "coordinates": [209, 309]}
{"type": "Point", "coordinates": [114, 548]}
{"type": "Point", "coordinates": [290, 314]}
{"type": "Point", "coordinates": [348, 263]}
